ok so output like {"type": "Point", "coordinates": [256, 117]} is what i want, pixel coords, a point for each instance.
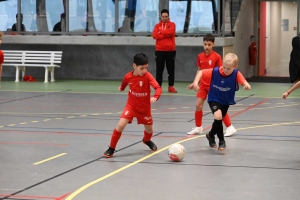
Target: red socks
{"type": "Point", "coordinates": [115, 138]}
{"type": "Point", "coordinates": [147, 136]}
{"type": "Point", "coordinates": [226, 120]}
{"type": "Point", "coordinates": [198, 118]}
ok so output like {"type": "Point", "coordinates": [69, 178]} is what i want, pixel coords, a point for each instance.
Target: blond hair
{"type": "Point", "coordinates": [231, 59]}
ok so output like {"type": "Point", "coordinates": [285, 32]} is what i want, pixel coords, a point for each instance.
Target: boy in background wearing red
{"type": "Point", "coordinates": [138, 103]}
{"type": "Point", "coordinates": [223, 84]}
{"type": "Point", "coordinates": [207, 60]}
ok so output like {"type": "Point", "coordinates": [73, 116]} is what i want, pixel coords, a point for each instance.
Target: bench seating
{"type": "Point", "coordinates": [22, 59]}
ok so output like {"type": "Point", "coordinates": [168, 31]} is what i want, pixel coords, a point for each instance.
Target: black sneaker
{"type": "Point", "coordinates": [109, 153]}
{"type": "Point", "coordinates": [211, 141]}
{"type": "Point", "coordinates": [151, 145]}
{"type": "Point", "coordinates": [222, 146]}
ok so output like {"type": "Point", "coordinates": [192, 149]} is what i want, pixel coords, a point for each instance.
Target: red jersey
{"type": "Point", "coordinates": [1, 57]}
{"type": "Point", "coordinates": [139, 91]}
{"type": "Point", "coordinates": [209, 61]}
{"type": "Point", "coordinates": [164, 34]}
{"type": "Point", "coordinates": [207, 74]}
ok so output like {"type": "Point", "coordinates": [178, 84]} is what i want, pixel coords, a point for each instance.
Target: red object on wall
{"type": "Point", "coordinates": [252, 53]}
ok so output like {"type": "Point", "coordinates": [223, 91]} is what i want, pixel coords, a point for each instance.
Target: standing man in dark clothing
{"type": "Point", "coordinates": [164, 34]}
{"type": "Point", "coordinates": [294, 65]}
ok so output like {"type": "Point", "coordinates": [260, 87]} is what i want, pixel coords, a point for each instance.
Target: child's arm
{"type": "Point", "coordinates": [123, 84]}
{"type": "Point", "coordinates": [190, 86]}
{"type": "Point", "coordinates": [196, 81]}
{"type": "Point", "coordinates": [241, 80]}
{"type": "Point", "coordinates": [246, 85]}
{"type": "Point", "coordinates": [287, 93]}
{"type": "Point", "coordinates": [157, 88]}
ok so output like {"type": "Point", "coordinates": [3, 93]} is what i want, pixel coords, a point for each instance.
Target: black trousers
{"type": "Point", "coordinates": [163, 58]}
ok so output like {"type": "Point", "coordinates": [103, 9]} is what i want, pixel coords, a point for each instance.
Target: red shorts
{"type": "Point", "coordinates": [202, 93]}
{"type": "Point", "coordinates": [1, 57]}
{"type": "Point", "coordinates": [129, 113]}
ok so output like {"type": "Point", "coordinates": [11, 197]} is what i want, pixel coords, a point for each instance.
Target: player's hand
{"type": "Point", "coordinates": [247, 86]}
{"type": "Point", "coordinates": [153, 99]}
{"type": "Point", "coordinates": [120, 89]}
{"type": "Point", "coordinates": [190, 86]}
{"type": "Point", "coordinates": [285, 95]}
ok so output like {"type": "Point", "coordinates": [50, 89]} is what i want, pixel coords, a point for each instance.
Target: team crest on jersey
{"type": "Point", "coordinates": [209, 62]}
{"type": "Point", "coordinates": [141, 83]}
{"type": "Point", "coordinates": [222, 81]}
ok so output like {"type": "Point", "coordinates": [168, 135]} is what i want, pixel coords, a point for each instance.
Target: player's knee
{"type": "Point", "coordinates": [148, 129]}
{"type": "Point", "coordinates": [199, 106]}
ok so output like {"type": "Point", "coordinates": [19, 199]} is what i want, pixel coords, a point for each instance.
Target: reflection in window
{"type": "Point", "coordinates": [104, 15]}
{"type": "Point", "coordinates": [201, 19]}
{"type": "Point", "coordinates": [190, 16]}
{"type": "Point", "coordinates": [78, 15]}
{"type": "Point", "coordinates": [178, 11]}
{"type": "Point", "coordinates": [54, 9]}
{"type": "Point", "coordinates": [193, 16]}
{"type": "Point", "coordinates": [8, 11]}
{"type": "Point", "coordinates": [138, 15]}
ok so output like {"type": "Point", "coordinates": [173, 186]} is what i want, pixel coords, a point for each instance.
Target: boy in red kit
{"type": "Point", "coordinates": [223, 84]}
{"type": "Point", "coordinates": [206, 60]}
{"type": "Point", "coordinates": [1, 58]}
{"type": "Point", "coordinates": [138, 103]}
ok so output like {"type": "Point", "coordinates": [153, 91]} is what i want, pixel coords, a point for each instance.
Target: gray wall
{"type": "Point", "coordinates": [106, 61]}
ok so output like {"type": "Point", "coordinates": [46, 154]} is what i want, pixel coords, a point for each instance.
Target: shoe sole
{"type": "Point", "coordinates": [208, 140]}
{"type": "Point", "coordinates": [221, 149]}
{"type": "Point", "coordinates": [106, 156]}
{"type": "Point", "coordinates": [149, 147]}
{"type": "Point", "coordinates": [229, 134]}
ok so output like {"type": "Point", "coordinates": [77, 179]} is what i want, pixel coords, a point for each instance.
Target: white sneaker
{"type": "Point", "coordinates": [196, 130]}
{"type": "Point", "coordinates": [230, 131]}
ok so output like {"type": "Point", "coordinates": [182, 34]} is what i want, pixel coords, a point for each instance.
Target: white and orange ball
{"type": "Point", "coordinates": [176, 152]}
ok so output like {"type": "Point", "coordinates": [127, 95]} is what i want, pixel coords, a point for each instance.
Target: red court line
{"type": "Point", "coordinates": [35, 197]}
{"type": "Point", "coordinates": [34, 143]}
{"type": "Point", "coordinates": [240, 112]}
{"type": "Point", "coordinates": [27, 197]}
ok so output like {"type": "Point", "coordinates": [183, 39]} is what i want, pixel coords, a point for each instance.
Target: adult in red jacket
{"type": "Point", "coordinates": [164, 34]}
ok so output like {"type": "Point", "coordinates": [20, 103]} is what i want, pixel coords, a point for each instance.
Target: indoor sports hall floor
{"type": "Point", "coordinates": [52, 137]}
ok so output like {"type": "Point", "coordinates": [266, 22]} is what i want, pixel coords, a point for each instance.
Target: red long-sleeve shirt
{"type": "Point", "coordinates": [164, 34]}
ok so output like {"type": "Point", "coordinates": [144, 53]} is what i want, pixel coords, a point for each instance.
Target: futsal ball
{"type": "Point", "coordinates": [176, 152]}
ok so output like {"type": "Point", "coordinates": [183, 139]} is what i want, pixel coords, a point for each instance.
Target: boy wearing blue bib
{"type": "Point", "coordinates": [223, 84]}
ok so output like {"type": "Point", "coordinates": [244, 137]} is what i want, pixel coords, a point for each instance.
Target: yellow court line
{"type": "Point", "coordinates": [37, 163]}
{"type": "Point", "coordinates": [11, 125]}
{"type": "Point", "coordinates": [125, 167]}
{"type": "Point", "coordinates": [34, 121]}
{"type": "Point", "coordinates": [78, 191]}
